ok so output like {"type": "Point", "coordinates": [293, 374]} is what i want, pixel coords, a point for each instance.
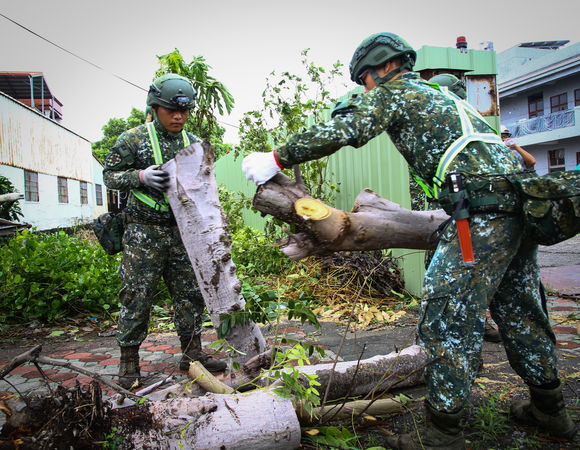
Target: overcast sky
{"type": "Point", "coordinates": [243, 41]}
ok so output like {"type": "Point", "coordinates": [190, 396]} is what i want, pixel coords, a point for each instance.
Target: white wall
{"type": "Point", "coordinates": [571, 148]}
{"type": "Point", "coordinates": [48, 213]}
{"type": "Point", "coordinates": [29, 140]}
{"type": "Point", "coordinates": [98, 179]}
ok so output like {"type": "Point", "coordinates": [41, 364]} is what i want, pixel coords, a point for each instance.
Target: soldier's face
{"type": "Point", "coordinates": [172, 119]}
{"type": "Point", "coordinates": [369, 82]}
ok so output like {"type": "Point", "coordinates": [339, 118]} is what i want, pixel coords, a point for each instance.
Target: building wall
{"type": "Point", "coordinates": [515, 108]}
{"type": "Point", "coordinates": [48, 212]}
{"type": "Point", "coordinates": [540, 151]}
{"type": "Point", "coordinates": [98, 180]}
{"type": "Point", "coordinates": [30, 141]}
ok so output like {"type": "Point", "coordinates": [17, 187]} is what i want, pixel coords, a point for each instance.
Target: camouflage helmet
{"type": "Point", "coordinates": [172, 91]}
{"type": "Point", "coordinates": [453, 83]}
{"type": "Point", "coordinates": [376, 50]}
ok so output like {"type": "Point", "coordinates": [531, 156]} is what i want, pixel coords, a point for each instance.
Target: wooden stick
{"type": "Point", "coordinates": [349, 409]}
{"type": "Point", "coordinates": [206, 380]}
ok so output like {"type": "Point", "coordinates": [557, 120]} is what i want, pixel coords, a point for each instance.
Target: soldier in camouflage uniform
{"type": "Point", "coordinates": [425, 124]}
{"type": "Point", "coordinates": [457, 87]}
{"type": "Point", "coordinates": [152, 246]}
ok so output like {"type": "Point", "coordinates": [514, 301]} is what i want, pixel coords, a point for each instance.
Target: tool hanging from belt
{"type": "Point", "coordinates": [461, 215]}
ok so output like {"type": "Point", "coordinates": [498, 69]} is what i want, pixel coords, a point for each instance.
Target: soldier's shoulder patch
{"type": "Point", "coordinates": [113, 159]}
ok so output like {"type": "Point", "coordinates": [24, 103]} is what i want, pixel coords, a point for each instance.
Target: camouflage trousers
{"type": "Point", "coordinates": [151, 252]}
{"type": "Point", "coordinates": [506, 279]}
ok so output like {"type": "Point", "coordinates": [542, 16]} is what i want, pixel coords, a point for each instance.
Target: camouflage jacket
{"type": "Point", "coordinates": [133, 152]}
{"type": "Point", "coordinates": [420, 120]}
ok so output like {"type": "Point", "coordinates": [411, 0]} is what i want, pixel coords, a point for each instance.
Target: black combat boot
{"type": "Point", "coordinates": [546, 410]}
{"type": "Point", "coordinates": [191, 348]}
{"type": "Point", "coordinates": [441, 431]}
{"type": "Point", "coordinates": [129, 366]}
{"type": "Point", "coordinates": [490, 334]}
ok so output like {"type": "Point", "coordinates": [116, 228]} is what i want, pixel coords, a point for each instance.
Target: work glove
{"type": "Point", "coordinates": [259, 167]}
{"type": "Point", "coordinates": [154, 177]}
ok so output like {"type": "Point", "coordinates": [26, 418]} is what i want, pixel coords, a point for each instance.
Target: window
{"type": "Point", "coordinates": [99, 194]}
{"type": "Point", "coordinates": [30, 186]}
{"type": "Point", "coordinates": [84, 193]}
{"type": "Point", "coordinates": [62, 190]}
{"type": "Point", "coordinates": [577, 97]}
{"type": "Point", "coordinates": [577, 158]}
{"type": "Point", "coordinates": [556, 162]}
{"type": "Point", "coordinates": [535, 106]}
{"type": "Point", "coordinates": [559, 102]}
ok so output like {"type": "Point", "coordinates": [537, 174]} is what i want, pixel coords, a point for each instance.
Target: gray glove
{"type": "Point", "coordinates": [154, 177]}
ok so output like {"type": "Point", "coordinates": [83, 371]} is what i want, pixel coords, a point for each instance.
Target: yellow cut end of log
{"type": "Point", "coordinates": [311, 209]}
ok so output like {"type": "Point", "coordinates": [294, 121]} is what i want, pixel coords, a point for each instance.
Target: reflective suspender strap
{"type": "Point", "coordinates": [469, 135]}
{"type": "Point", "coordinates": [154, 143]}
{"type": "Point", "coordinates": [158, 160]}
{"type": "Point", "coordinates": [185, 139]}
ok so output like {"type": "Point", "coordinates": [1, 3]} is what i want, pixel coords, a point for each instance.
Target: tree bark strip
{"type": "Point", "coordinates": [255, 420]}
{"type": "Point", "coordinates": [193, 197]}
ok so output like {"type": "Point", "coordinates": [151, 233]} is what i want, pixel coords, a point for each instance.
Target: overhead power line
{"type": "Point", "coordinates": [85, 60]}
{"type": "Point", "coordinates": [72, 53]}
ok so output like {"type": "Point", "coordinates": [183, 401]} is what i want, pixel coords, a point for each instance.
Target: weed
{"type": "Point", "coordinates": [489, 420]}
{"type": "Point", "coordinates": [112, 440]}
{"type": "Point", "coordinates": [333, 437]}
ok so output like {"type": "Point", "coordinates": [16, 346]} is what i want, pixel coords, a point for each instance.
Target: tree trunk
{"type": "Point", "coordinates": [255, 420]}
{"type": "Point", "coordinates": [373, 224]}
{"type": "Point", "coordinates": [376, 374]}
{"type": "Point", "coordinates": [373, 375]}
{"type": "Point", "coordinates": [193, 196]}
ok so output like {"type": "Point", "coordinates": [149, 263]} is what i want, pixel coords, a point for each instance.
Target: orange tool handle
{"type": "Point", "coordinates": [465, 241]}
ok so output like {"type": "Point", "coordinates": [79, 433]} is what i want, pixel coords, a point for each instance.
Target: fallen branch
{"type": "Point", "coordinates": [33, 356]}
{"type": "Point", "coordinates": [352, 409]}
{"type": "Point", "coordinates": [373, 224]}
{"type": "Point", "coordinates": [206, 380]}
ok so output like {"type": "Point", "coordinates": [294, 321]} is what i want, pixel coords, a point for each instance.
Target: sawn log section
{"type": "Point", "coordinates": [373, 224]}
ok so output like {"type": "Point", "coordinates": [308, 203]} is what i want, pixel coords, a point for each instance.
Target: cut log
{"type": "Point", "coordinates": [374, 375]}
{"type": "Point", "coordinates": [193, 197]}
{"type": "Point", "coordinates": [256, 420]}
{"type": "Point", "coordinates": [373, 224]}
{"type": "Point", "coordinates": [12, 197]}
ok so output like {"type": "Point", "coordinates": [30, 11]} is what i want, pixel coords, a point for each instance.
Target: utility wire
{"type": "Point", "coordinates": [86, 60]}
{"type": "Point", "coordinates": [71, 53]}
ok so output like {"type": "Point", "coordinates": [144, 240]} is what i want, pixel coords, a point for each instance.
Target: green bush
{"type": "Point", "coordinates": [234, 204]}
{"type": "Point", "coordinates": [256, 254]}
{"type": "Point", "coordinates": [48, 276]}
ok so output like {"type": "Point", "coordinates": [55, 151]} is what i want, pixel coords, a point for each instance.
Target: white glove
{"type": "Point", "coordinates": [259, 167]}
{"type": "Point", "coordinates": [154, 177]}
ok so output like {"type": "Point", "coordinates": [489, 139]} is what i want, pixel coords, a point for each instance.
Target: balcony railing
{"type": "Point", "coordinates": [553, 121]}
